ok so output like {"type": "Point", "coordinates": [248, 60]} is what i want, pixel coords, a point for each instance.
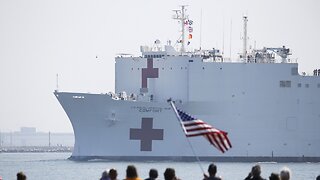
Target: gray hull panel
{"type": "Point", "coordinates": [193, 159]}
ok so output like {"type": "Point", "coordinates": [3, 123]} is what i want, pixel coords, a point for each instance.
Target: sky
{"type": "Point", "coordinates": [78, 40]}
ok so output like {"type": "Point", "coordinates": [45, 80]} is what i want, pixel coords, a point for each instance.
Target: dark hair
{"type": "Point", "coordinates": [318, 177]}
{"type": "Point", "coordinates": [212, 169]}
{"type": "Point", "coordinates": [113, 173]}
{"type": "Point", "coordinates": [285, 174]}
{"type": "Point", "coordinates": [104, 175]}
{"type": "Point", "coordinates": [21, 176]}
{"type": "Point", "coordinates": [169, 174]}
{"type": "Point", "coordinates": [153, 173]}
{"type": "Point", "coordinates": [256, 170]}
{"type": "Point", "coordinates": [274, 176]}
{"type": "Point", "coordinates": [131, 172]}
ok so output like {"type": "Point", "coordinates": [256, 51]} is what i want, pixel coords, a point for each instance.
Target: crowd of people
{"type": "Point", "coordinates": [170, 174]}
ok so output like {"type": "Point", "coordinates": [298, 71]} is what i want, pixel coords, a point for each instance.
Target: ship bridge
{"type": "Point", "coordinates": [157, 51]}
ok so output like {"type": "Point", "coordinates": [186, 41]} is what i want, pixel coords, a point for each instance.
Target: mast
{"type": "Point", "coordinates": [0, 139]}
{"type": "Point", "coordinates": [57, 81]}
{"type": "Point", "coordinates": [230, 39]}
{"type": "Point", "coordinates": [181, 17]}
{"type": "Point", "coordinates": [245, 38]}
{"type": "Point", "coordinates": [49, 139]}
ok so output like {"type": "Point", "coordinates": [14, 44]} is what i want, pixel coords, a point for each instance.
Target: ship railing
{"type": "Point", "coordinates": [123, 96]}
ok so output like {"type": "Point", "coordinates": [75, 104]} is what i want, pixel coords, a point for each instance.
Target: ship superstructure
{"type": "Point", "coordinates": [272, 113]}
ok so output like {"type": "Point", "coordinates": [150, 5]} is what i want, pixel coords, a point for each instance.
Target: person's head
{"type": "Point", "coordinates": [113, 174]}
{"type": "Point", "coordinates": [318, 177]}
{"type": "Point", "coordinates": [153, 173]}
{"type": "Point", "coordinates": [285, 174]}
{"type": "Point", "coordinates": [256, 170]}
{"type": "Point", "coordinates": [212, 169]}
{"type": "Point", "coordinates": [131, 172]}
{"type": "Point", "coordinates": [21, 176]}
{"type": "Point", "coordinates": [169, 174]}
{"type": "Point", "coordinates": [274, 176]}
{"type": "Point", "coordinates": [104, 175]}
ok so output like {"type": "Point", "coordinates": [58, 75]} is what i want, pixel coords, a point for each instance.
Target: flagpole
{"type": "Point", "coordinates": [181, 124]}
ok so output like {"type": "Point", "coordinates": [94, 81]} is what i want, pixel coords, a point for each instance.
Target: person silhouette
{"type": "Point", "coordinates": [153, 174]}
{"type": "Point", "coordinates": [131, 173]}
{"type": "Point", "coordinates": [212, 170]}
{"type": "Point", "coordinates": [255, 173]}
{"type": "Point", "coordinates": [113, 174]}
{"type": "Point", "coordinates": [170, 174]}
{"type": "Point", "coordinates": [21, 176]}
{"type": "Point", "coordinates": [285, 174]}
{"type": "Point", "coordinates": [274, 176]}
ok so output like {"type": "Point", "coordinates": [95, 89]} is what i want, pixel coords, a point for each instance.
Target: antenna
{"type": "Point", "coordinates": [245, 38]}
{"type": "Point", "coordinates": [181, 17]}
{"type": "Point", "coordinates": [201, 29]}
{"type": "Point", "coordinates": [57, 81]}
{"type": "Point", "coordinates": [0, 139]}
{"type": "Point", "coordinates": [11, 138]}
{"type": "Point", "coordinates": [230, 37]}
{"type": "Point", "coordinates": [223, 36]}
{"type": "Point", "coordinates": [49, 139]}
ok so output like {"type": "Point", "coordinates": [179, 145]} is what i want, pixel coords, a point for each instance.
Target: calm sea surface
{"type": "Point", "coordinates": [55, 166]}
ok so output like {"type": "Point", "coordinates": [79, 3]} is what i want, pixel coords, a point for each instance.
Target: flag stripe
{"type": "Point", "coordinates": [196, 127]}
{"type": "Point", "coordinates": [222, 141]}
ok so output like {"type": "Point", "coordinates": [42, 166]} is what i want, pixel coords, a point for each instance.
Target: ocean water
{"type": "Point", "coordinates": [56, 166]}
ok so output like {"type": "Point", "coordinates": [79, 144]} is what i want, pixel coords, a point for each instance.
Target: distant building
{"type": "Point", "coordinates": [28, 136]}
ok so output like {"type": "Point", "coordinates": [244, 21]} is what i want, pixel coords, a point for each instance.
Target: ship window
{"type": "Point", "coordinates": [202, 67]}
{"type": "Point", "coordinates": [307, 85]}
{"type": "Point", "coordinates": [288, 83]}
{"type": "Point", "coordinates": [190, 60]}
{"type": "Point", "coordinates": [78, 97]}
{"type": "Point", "coordinates": [285, 84]}
{"type": "Point", "coordinates": [162, 68]}
{"type": "Point", "coordinates": [319, 85]}
{"type": "Point", "coordinates": [138, 68]}
{"type": "Point", "coordinates": [294, 71]}
{"type": "Point", "coordinates": [171, 68]}
{"type": "Point", "coordinates": [299, 85]}
{"type": "Point", "coordinates": [131, 69]}
{"type": "Point", "coordinates": [181, 67]}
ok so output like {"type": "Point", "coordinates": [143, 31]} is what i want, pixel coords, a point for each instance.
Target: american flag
{"type": "Point", "coordinates": [196, 127]}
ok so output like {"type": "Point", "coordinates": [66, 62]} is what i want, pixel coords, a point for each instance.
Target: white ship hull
{"type": "Point", "coordinates": [265, 122]}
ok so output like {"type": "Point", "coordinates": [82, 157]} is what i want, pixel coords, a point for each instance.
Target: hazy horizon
{"type": "Point", "coordinates": [79, 39]}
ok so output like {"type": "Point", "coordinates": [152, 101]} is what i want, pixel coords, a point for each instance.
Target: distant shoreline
{"type": "Point", "coordinates": [35, 149]}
